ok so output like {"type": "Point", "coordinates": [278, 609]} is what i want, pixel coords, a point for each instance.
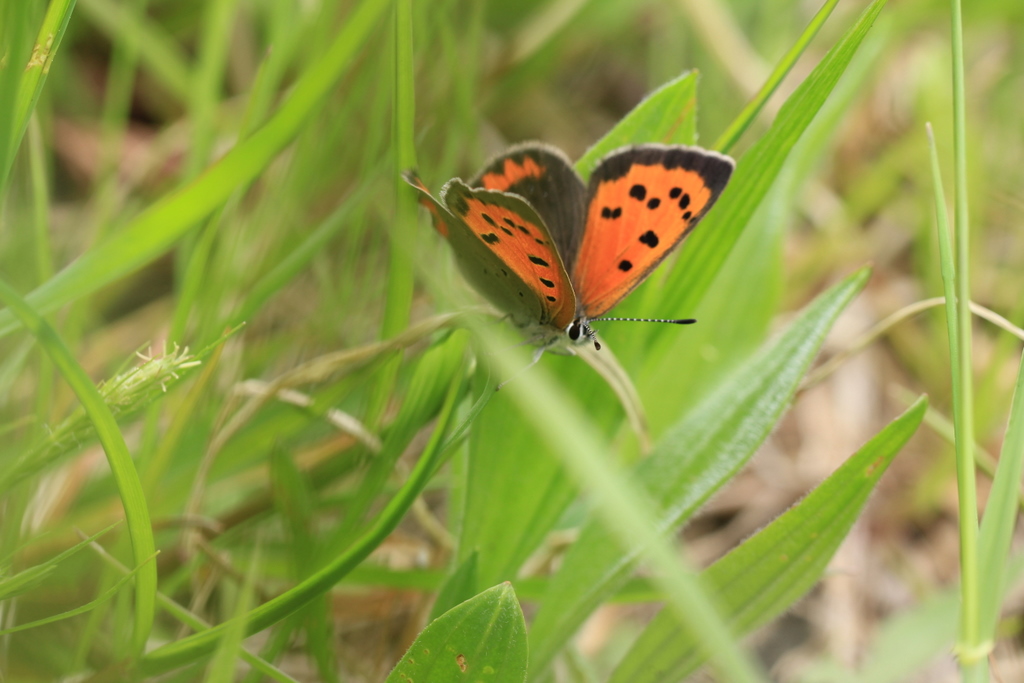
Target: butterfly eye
{"type": "Point", "coordinates": [574, 330]}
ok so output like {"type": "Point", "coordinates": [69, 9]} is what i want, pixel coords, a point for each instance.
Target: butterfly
{"type": "Point", "coordinates": [555, 254]}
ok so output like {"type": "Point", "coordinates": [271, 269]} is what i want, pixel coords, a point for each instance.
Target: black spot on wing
{"type": "Point", "coordinates": [654, 203]}
{"type": "Point", "coordinates": [490, 238]}
{"type": "Point", "coordinates": [684, 201]}
{"type": "Point", "coordinates": [506, 231]}
{"type": "Point", "coordinates": [539, 261]}
{"type": "Point", "coordinates": [625, 265]}
{"type": "Point", "coordinates": [649, 238]}
{"type": "Point", "coordinates": [547, 283]}
{"type": "Point", "coordinates": [674, 192]}
{"type": "Point", "coordinates": [687, 215]}
{"type": "Point", "coordinates": [489, 220]}
{"type": "Point", "coordinates": [551, 298]}
{"type": "Point", "coordinates": [511, 223]}
{"type": "Point", "coordinates": [638, 192]}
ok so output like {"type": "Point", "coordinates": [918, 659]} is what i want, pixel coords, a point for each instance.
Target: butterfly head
{"type": "Point", "coordinates": [579, 332]}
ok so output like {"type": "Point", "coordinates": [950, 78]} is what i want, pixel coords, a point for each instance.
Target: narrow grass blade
{"type": "Point", "coordinates": [128, 485]}
{"type": "Point", "coordinates": [762, 577]}
{"type": "Point", "coordinates": [222, 666]}
{"type": "Point", "coordinates": [55, 23]}
{"type": "Point", "coordinates": [703, 257]}
{"type": "Point", "coordinates": [422, 401]}
{"type": "Point", "coordinates": [668, 115]}
{"type": "Point", "coordinates": [1001, 515]}
{"type": "Point", "coordinates": [398, 303]}
{"type": "Point", "coordinates": [81, 609]}
{"type": "Point", "coordinates": [736, 129]}
{"type": "Point", "coordinates": [157, 228]}
{"type": "Point", "coordinates": [972, 651]}
{"type": "Point", "coordinates": [483, 639]}
{"type": "Point", "coordinates": [27, 579]}
{"type": "Point", "coordinates": [17, 35]}
{"type": "Point", "coordinates": [158, 53]}
{"type": "Point", "coordinates": [690, 463]}
{"type": "Point", "coordinates": [201, 644]}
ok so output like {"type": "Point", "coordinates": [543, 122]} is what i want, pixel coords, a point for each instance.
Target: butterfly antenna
{"type": "Point", "coordinates": [677, 321]}
{"type": "Point", "coordinates": [538, 352]}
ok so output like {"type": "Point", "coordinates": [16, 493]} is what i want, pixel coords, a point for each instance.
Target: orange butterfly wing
{"type": "Point", "coordinates": [642, 202]}
{"type": "Point", "coordinates": [520, 244]}
{"type": "Point", "coordinates": [546, 179]}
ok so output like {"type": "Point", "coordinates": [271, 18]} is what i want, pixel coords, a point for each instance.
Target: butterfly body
{"type": "Point", "coordinates": [554, 253]}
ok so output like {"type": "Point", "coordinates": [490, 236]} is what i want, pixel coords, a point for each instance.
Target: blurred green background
{"type": "Point", "coordinates": [312, 242]}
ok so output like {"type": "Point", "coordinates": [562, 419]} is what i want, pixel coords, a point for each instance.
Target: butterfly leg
{"type": "Point", "coordinates": [537, 353]}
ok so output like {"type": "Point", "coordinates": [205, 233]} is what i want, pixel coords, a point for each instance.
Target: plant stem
{"type": "Point", "coordinates": [970, 651]}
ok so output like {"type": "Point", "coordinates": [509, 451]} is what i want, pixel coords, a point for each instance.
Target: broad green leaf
{"type": "Point", "coordinates": [668, 115]}
{"type": "Point", "coordinates": [767, 573]}
{"type": "Point", "coordinates": [516, 490]}
{"type": "Point", "coordinates": [756, 171]}
{"type": "Point", "coordinates": [483, 639]}
{"type": "Point", "coordinates": [690, 463]}
{"type": "Point", "coordinates": [460, 586]}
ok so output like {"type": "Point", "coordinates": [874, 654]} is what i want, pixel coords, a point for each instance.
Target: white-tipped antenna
{"type": "Point", "coordinates": [678, 321]}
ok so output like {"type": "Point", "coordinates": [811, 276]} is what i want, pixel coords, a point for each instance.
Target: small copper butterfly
{"type": "Point", "coordinates": [556, 255]}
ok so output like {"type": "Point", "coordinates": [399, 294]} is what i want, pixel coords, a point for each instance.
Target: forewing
{"type": "Point", "coordinates": [506, 251]}
{"type": "Point", "coordinates": [543, 176]}
{"type": "Point", "coordinates": [642, 202]}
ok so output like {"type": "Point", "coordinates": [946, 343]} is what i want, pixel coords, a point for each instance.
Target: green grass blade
{"type": "Point", "coordinates": [483, 639]}
{"type": "Point", "coordinates": [17, 35]}
{"type": "Point", "coordinates": [201, 644]}
{"type": "Point", "coordinates": [710, 245]}
{"type": "Point", "coordinates": [222, 666]}
{"type": "Point", "coordinates": [736, 129]}
{"type": "Point", "coordinates": [668, 115]}
{"type": "Point", "coordinates": [26, 579]}
{"type": "Point", "coordinates": [129, 487]}
{"type": "Point", "coordinates": [692, 461]}
{"type": "Point", "coordinates": [205, 85]}
{"type": "Point", "coordinates": [1001, 516]}
{"type": "Point", "coordinates": [156, 229]}
{"type": "Point", "coordinates": [55, 23]}
{"type": "Point", "coordinates": [762, 577]}
{"type": "Point", "coordinates": [398, 302]}
{"type": "Point", "coordinates": [81, 609]}
{"type": "Point", "coordinates": [421, 403]}
{"type": "Point", "coordinates": [971, 650]}
{"type": "Point", "coordinates": [157, 51]}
